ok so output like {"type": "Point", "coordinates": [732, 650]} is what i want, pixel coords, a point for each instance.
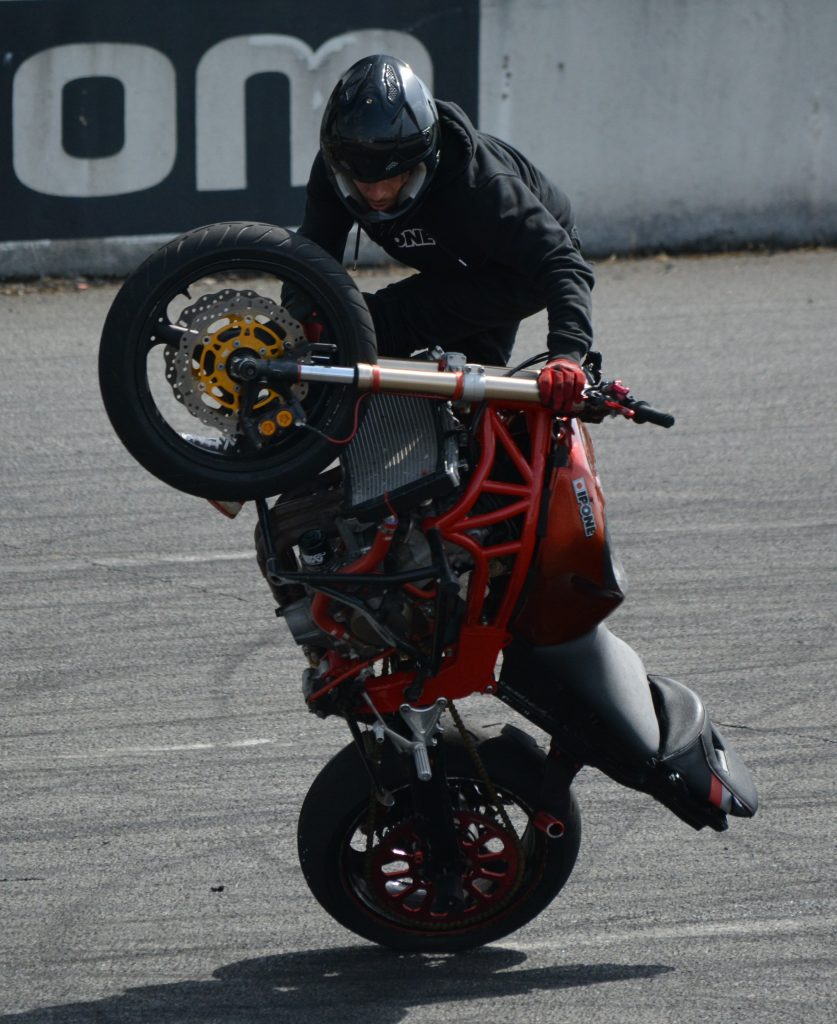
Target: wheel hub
{"type": "Point", "coordinates": [217, 326]}
{"type": "Point", "coordinates": [402, 884]}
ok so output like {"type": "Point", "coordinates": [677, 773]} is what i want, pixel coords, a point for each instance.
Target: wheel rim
{"type": "Point", "coordinates": [206, 436]}
{"type": "Point", "coordinates": [401, 882]}
{"type": "Point", "coordinates": [393, 878]}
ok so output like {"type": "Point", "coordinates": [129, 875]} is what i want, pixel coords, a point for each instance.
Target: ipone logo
{"type": "Point", "coordinates": [585, 507]}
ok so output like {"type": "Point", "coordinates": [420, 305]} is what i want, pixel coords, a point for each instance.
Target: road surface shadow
{"type": "Point", "coordinates": [358, 985]}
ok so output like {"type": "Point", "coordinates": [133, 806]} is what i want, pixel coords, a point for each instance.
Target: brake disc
{"type": "Point", "coordinates": [214, 328]}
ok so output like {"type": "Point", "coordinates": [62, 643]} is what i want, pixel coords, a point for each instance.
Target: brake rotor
{"type": "Point", "coordinates": [216, 326]}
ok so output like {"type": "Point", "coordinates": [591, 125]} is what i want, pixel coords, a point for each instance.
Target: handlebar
{"type": "Point", "coordinates": [611, 397]}
{"type": "Point", "coordinates": [643, 413]}
{"type": "Point", "coordinates": [469, 382]}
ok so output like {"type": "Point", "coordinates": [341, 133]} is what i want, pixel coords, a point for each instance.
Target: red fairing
{"type": "Point", "coordinates": [577, 583]}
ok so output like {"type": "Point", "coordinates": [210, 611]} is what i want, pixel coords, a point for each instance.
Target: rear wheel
{"type": "Point", "coordinates": [171, 330]}
{"type": "Point", "coordinates": [369, 866]}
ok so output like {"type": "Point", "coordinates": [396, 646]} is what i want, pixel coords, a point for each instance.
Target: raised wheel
{"type": "Point", "coordinates": [174, 323]}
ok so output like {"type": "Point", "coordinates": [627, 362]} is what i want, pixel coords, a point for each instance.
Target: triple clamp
{"type": "Point", "coordinates": [423, 724]}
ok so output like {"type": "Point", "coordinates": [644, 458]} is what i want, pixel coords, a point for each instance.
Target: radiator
{"type": "Point", "coordinates": [405, 451]}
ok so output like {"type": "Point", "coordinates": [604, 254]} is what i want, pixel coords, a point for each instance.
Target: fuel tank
{"type": "Point", "coordinates": [577, 580]}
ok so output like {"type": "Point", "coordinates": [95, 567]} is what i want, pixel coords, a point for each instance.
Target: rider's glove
{"type": "Point", "coordinates": [298, 303]}
{"type": "Point", "coordinates": [560, 384]}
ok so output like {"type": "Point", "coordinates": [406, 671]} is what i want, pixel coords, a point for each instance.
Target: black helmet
{"type": "Point", "coordinates": [380, 121]}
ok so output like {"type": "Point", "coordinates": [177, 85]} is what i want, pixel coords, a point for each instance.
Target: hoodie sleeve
{"type": "Point", "coordinates": [326, 220]}
{"type": "Point", "coordinates": [520, 232]}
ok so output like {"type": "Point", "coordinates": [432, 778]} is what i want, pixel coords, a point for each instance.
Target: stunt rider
{"type": "Point", "coordinates": [493, 239]}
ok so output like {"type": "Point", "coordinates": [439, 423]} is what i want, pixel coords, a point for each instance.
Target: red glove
{"type": "Point", "coordinates": [560, 384]}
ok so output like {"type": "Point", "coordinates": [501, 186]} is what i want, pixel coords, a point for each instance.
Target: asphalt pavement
{"type": "Point", "coordinates": [155, 749]}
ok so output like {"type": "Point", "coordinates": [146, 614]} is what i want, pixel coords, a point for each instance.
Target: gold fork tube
{"type": "Point", "coordinates": [476, 384]}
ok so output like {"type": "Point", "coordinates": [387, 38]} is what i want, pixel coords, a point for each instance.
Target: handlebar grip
{"type": "Point", "coordinates": [643, 413]}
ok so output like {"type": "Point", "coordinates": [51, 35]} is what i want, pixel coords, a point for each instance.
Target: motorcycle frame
{"type": "Point", "coordinates": [466, 665]}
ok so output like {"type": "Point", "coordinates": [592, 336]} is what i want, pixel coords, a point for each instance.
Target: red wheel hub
{"type": "Point", "coordinates": [402, 884]}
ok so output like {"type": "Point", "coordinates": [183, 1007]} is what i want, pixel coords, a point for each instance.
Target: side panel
{"type": "Point", "coordinates": [577, 583]}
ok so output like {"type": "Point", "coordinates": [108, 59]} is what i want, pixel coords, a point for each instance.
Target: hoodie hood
{"type": "Point", "coordinates": [458, 144]}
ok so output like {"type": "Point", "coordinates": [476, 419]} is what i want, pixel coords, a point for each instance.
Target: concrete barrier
{"type": "Point", "coordinates": [672, 124]}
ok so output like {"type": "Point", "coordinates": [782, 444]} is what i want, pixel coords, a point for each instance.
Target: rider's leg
{"type": "Point", "coordinates": [470, 313]}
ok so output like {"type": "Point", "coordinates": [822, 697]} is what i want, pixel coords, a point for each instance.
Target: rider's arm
{"type": "Point", "coordinates": [524, 235]}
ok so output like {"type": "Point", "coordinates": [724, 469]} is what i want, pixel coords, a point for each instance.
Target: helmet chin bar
{"type": "Point", "coordinates": [413, 185]}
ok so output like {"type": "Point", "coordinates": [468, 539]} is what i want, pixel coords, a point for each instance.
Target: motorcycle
{"type": "Point", "coordinates": [431, 517]}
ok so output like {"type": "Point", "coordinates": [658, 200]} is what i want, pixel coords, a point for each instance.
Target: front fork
{"type": "Point", "coordinates": [436, 822]}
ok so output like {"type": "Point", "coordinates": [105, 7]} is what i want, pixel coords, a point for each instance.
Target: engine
{"type": "Point", "coordinates": [405, 463]}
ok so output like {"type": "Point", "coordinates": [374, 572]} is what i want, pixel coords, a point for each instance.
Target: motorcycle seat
{"type": "Point", "coordinates": [693, 750]}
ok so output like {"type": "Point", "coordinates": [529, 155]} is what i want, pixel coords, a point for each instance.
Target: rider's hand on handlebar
{"type": "Point", "coordinates": [298, 303]}
{"type": "Point", "coordinates": [561, 383]}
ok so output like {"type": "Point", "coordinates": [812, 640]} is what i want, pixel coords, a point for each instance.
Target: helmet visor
{"type": "Point", "coordinates": [378, 159]}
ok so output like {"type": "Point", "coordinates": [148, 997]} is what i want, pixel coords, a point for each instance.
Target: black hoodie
{"type": "Point", "coordinates": [486, 208]}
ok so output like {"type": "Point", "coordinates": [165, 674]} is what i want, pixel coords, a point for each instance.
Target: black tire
{"type": "Point", "coordinates": [344, 878]}
{"type": "Point", "coordinates": [133, 329]}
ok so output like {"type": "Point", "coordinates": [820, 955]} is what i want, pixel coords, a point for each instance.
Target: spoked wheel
{"type": "Point", "coordinates": [372, 867]}
{"type": "Point", "coordinates": [400, 883]}
{"type": "Point", "coordinates": [167, 340]}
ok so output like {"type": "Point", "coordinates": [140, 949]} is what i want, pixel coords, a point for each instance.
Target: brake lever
{"type": "Point", "coordinates": [615, 397]}
{"type": "Point", "coordinates": [607, 398]}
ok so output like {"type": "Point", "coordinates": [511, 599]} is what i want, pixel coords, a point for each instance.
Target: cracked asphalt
{"type": "Point", "coordinates": [154, 748]}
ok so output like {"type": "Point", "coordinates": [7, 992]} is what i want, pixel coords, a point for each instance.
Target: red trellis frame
{"type": "Point", "coordinates": [468, 665]}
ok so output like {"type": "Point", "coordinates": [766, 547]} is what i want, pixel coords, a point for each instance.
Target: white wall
{"type": "Point", "coordinates": [672, 123]}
